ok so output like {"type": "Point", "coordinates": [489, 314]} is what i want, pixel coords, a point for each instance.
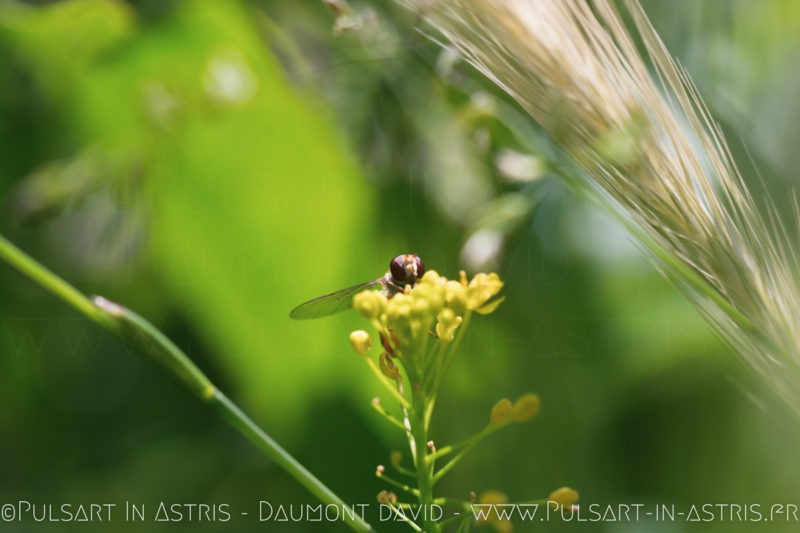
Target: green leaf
{"type": "Point", "coordinates": [254, 205]}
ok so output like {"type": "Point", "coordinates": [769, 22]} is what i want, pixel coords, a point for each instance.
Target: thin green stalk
{"type": "Point", "coordinates": [402, 516]}
{"type": "Point", "coordinates": [465, 447]}
{"type": "Point", "coordinates": [242, 423]}
{"type": "Point", "coordinates": [419, 428]}
{"type": "Point", "coordinates": [455, 518]}
{"type": "Point", "coordinates": [392, 420]}
{"type": "Point", "coordinates": [147, 338]}
{"type": "Point", "coordinates": [31, 268]}
{"type": "Point", "coordinates": [403, 470]}
{"type": "Point", "coordinates": [399, 484]}
{"type": "Point", "coordinates": [460, 504]}
{"type": "Point", "coordinates": [446, 450]}
{"type": "Point", "coordinates": [431, 366]}
{"type": "Point", "coordinates": [450, 353]}
{"type": "Point", "coordinates": [451, 463]}
{"type": "Point", "coordinates": [392, 390]}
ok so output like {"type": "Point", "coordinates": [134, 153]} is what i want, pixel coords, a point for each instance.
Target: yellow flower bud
{"type": "Point", "coordinates": [399, 307]}
{"type": "Point", "coordinates": [526, 407]}
{"type": "Point", "coordinates": [361, 341]}
{"type": "Point", "coordinates": [396, 457]}
{"type": "Point", "coordinates": [563, 497]}
{"type": "Point", "coordinates": [421, 307]}
{"type": "Point", "coordinates": [433, 277]}
{"type": "Point", "coordinates": [492, 519]}
{"type": "Point", "coordinates": [432, 289]}
{"type": "Point", "coordinates": [501, 412]}
{"type": "Point", "coordinates": [492, 496]}
{"type": "Point", "coordinates": [456, 297]}
{"type": "Point", "coordinates": [447, 323]}
{"type": "Point", "coordinates": [400, 320]}
{"type": "Point", "coordinates": [369, 304]}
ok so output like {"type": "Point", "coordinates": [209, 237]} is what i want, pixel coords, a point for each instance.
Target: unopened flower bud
{"type": "Point", "coordinates": [432, 293]}
{"type": "Point", "coordinates": [361, 341]}
{"type": "Point", "coordinates": [501, 412]}
{"type": "Point", "coordinates": [432, 277]}
{"type": "Point", "coordinates": [396, 457]}
{"type": "Point", "coordinates": [456, 297]}
{"type": "Point", "coordinates": [447, 323]}
{"type": "Point", "coordinates": [564, 497]}
{"type": "Point", "coordinates": [493, 496]}
{"type": "Point", "coordinates": [493, 519]}
{"type": "Point", "coordinates": [399, 307]}
{"type": "Point", "coordinates": [421, 307]}
{"type": "Point", "coordinates": [526, 407]}
{"type": "Point", "coordinates": [369, 304]}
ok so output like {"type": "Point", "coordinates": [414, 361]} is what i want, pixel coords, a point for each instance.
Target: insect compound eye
{"type": "Point", "coordinates": [397, 268]}
{"type": "Point", "coordinates": [420, 267]}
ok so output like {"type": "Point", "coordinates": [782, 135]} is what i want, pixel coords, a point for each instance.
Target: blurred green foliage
{"type": "Point", "coordinates": [212, 164]}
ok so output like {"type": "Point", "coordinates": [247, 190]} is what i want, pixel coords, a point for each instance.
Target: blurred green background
{"type": "Point", "coordinates": [212, 164]}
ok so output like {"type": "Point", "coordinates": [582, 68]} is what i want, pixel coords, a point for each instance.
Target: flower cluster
{"type": "Point", "coordinates": [419, 329]}
{"type": "Point", "coordinates": [433, 310]}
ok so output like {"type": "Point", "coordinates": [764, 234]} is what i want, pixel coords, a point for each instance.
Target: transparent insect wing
{"type": "Point", "coordinates": [334, 302]}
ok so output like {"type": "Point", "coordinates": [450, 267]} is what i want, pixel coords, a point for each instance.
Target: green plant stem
{"type": "Point", "coordinates": [451, 463]}
{"type": "Point", "coordinates": [465, 447]}
{"type": "Point", "coordinates": [242, 423]}
{"type": "Point", "coordinates": [402, 486]}
{"type": "Point", "coordinates": [450, 448]}
{"type": "Point", "coordinates": [460, 504]}
{"type": "Point", "coordinates": [392, 420]}
{"type": "Point", "coordinates": [402, 516]}
{"type": "Point", "coordinates": [31, 268]}
{"type": "Point", "coordinates": [392, 390]}
{"type": "Point", "coordinates": [450, 352]}
{"type": "Point", "coordinates": [419, 428]}
{"type": "Point", "coordinates": [144, 336]}
{"type": "Point", "coordinates": [453, 519]}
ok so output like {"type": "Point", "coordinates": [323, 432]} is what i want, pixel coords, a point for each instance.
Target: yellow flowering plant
{"type": "Point", "coordinates": [420, 330]}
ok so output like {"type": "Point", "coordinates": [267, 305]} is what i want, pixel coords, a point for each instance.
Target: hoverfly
{"type": "Point", "coordinates": [404, 270]}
